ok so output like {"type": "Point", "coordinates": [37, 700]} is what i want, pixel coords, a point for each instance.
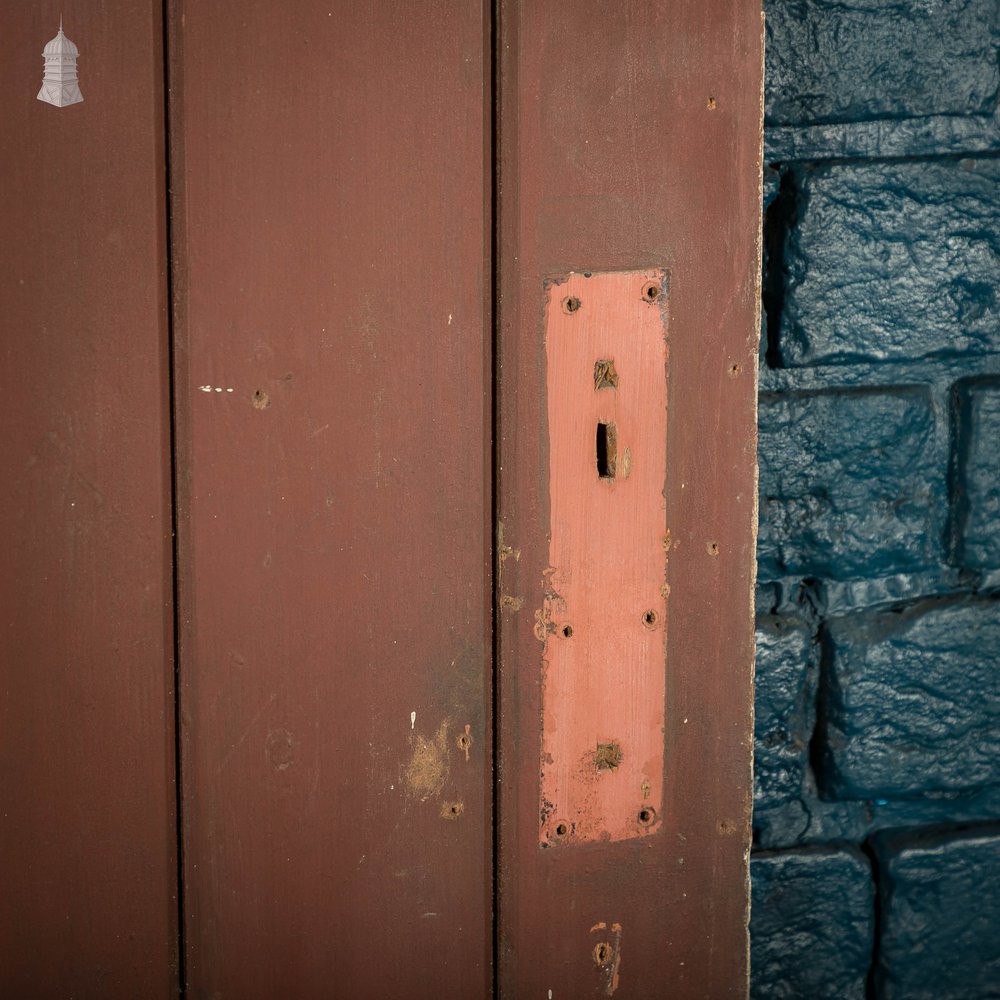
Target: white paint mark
{"type": "Point", "coordinates": [218, 388]}
{"type": "Point", "coordinates": [550, 994]}
{"type": "Point", "coordinates": [205, 388]}
{"type": "Point", "coordinates": [413, 719]}
{"type": "Point", "coordinates": [229, 390]}
{"type": "Point", "coordinates": [449, 319]}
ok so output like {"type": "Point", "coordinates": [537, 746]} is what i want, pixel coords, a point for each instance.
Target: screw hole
{"type": "Point", "coordinates": [464, 741]}
{"type": "Point", "coordinates": [567, 631]}
{"type": "Point", "coordinates": [651, 291]}
{"type": "Point", "coordinates": [713, 548]}
{"type": "Point", "coordinates": [260, 399]}
{"type": "Point", "coordinates": [452, 810]}
{"type": "Point", "coordinates": [735, 370]}
{"type": "Point", "coordinates": [649, 618]}
{"type": "Point", "coordinates": [646, 815]}
{"type": "Point", "coordinates": [571, 304]}
{"type": "Point", "coordinates": [561, 829]}
{"type": "Point", "coordinates": [602, 953]}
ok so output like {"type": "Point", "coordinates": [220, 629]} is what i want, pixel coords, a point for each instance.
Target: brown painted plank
{"type": "Point", "coordinates": [87, 824]}
{"type": "Point", "coordinates": [630, 138]}
{"type": "Point", "coordinates": [333, 402]}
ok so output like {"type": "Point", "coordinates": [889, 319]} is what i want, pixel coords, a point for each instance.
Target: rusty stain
{"type": "Point", "coordinates": [727, 827]}
{"type": "Point", "coordinates": [452, 810]}
{"type": "Point", "coordinates": [605, 376]}
{"type": "Point", "coordinates": [608, 756]}
{"type": "Point", "coordinates": [544, 625]}
{"type": "Point", "coordinates": [465, 740]}
{"type": "Point", "coordinates": [505, 551]}
{"type": "Point", "coordinates": [514, 603]}
{"type": "Point", "coordinates": [607, 955]}
{"type": "Point", "coordinates": [428, 768]}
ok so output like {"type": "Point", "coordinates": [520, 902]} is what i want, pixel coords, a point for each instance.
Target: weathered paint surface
{"type": "Point", "coordinates": [630, 138]}
{"type": "Point", "coordinates": [604, 616]}
{"type": "Point", "coordinates": [332, 258]}
{"type": "Point", "coordinates": [87, 826]}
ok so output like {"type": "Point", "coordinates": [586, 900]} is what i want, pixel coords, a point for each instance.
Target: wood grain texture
{"type": "Point", "coordinates": [603, 619]}
{"type": "Point", "coordinates": [630, 137]}
{"type": "Point", "coordinates": [333, 260]}
{"type": "Point", "coordinates": [87, 826]}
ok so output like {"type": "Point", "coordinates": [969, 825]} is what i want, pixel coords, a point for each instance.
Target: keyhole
{"type": "Point", "coordinates": [607, 450]}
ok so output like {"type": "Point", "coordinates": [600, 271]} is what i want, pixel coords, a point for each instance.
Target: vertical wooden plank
{"type": "Point", "coordinates": [630, 138]}
{"type": "Point", "coordinates": [333, 403]}
{"type": "Point", "coordinates": [87, 825]}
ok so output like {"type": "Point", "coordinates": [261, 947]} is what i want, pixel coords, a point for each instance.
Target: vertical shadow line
{"type": "Point", "coordinates": [168, 116]}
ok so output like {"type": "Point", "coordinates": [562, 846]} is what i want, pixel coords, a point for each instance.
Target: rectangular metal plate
{"type": "Point", "coordinates": [603, 621]}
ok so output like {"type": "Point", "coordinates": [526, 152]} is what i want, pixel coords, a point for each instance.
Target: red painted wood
{"type": "Point", "coordinates": [87, 826]}
{"type": "Point", "coordinates": [630, 137]}
{"type": "Point", "coordinates": [331, 175]}
{"type": "Point", "coordinates": [603, 615]}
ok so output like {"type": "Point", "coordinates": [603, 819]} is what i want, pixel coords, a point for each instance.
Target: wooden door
{"type": "Point", "coordinates": [306, 418]}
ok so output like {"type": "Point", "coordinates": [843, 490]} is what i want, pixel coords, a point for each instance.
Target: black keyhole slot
{"type": "Point", "coordinates": [607, 450]}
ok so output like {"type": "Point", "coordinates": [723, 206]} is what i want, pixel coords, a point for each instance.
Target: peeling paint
{"type": "Point", "coordinates": [429, 766]}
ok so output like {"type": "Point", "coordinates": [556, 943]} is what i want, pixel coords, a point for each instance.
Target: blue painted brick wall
{"type": "Point", "coordinates": [877, 735]}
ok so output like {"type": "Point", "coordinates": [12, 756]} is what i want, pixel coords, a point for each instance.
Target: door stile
{"type": "Point", "coordinates": [628, 260]}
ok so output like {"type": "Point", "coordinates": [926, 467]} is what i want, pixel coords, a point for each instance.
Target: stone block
{"type": "Point", "coordinates": [859, 60]}
{"type": "Point", "coordinates": [784, 709]}
{"type": "Point", "coordinates": [811, 924]}
{"type": "Point", "coordinates": [911, 703]}
{"type": "Point", "coordinates": [979, 493]}
{"type": "Point", "coordinates": [892, 262]}
{"type": "Point", "coordinates": [940, 926]}
{"type": "Point", "coordinates": [847, 484]}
